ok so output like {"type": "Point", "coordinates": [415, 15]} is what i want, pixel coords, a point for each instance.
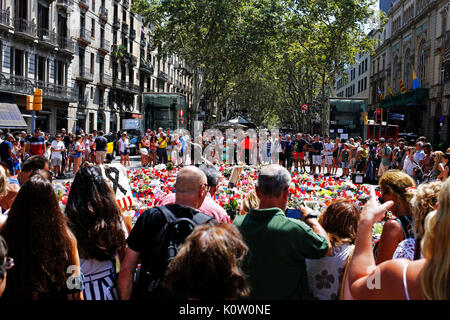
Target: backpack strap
{"type": "Point", "coordinates": [202, 218]}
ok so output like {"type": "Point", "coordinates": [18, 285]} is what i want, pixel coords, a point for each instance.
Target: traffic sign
{"type": "Point", "coordinates": [396, 116]}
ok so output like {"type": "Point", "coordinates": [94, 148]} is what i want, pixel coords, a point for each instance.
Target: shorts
{"type": "Point", "coordinates": [316, 160]}
{"type": "Point", "coordinates": [344, 165]}
{"type": "Point", "coordinates": [124, 153]}
{"type": "Point", "coordinates": [329, 160]}
{"type": "Point", "coordinates": [382, 169]}
{"type": "Point", "coordinates": [352, 162]}
{"type": "Point", "coordinates": [56, 162]}
{"type": "Point", "coordinates": [298, 155]}
{"type": "Point", "coordinates": [100, 156]}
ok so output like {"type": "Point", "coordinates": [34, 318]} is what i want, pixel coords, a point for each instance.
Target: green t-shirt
{"type": "Point", "coordinates": [278, 247]}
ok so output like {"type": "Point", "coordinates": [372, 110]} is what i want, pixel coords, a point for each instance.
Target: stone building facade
{"type": "Point", "coordinates": [92, 58]}
{"type": "Point", "coordinates": [416, 39]}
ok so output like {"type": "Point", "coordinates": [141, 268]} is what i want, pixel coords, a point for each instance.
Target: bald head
{"type": "Point", "coordinates": [191, 187]}
{"type": "Point", "coordinates": [273, 180]}
{"type": "Point", "coordinates": [190, 179]}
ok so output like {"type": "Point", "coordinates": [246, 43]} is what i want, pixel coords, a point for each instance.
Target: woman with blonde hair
{"type": "Point", "coordinates": [423, 203]}
{"type": "Point", "coordinates": [399, 187]}
{"type": "Point", "coordinates": [439, 166]}
{"type": "Point", "coordinates": [250, 201]}
{"type": "Point", "coordinates": [426, 278]}
{"type": "Point", "coordinates": [3, 192]}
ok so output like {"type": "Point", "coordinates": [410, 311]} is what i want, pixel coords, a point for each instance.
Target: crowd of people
{"type": "Point", "coordinates": [187, 247]}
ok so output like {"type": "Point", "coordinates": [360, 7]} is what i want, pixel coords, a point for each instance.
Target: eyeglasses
{"type": "Point", "coordinates": [9, 263]}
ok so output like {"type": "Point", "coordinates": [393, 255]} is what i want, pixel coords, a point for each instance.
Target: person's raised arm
{"type": "Point", "coordinates": [362, 265]}
{"type": "Point", "coordinates": [314, 224]}
{"type": "Point", "coordinates": [126, 275]}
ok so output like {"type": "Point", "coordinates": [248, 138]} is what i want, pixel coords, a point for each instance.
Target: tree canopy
{"type": "Point", "coordinates": [261, 58]}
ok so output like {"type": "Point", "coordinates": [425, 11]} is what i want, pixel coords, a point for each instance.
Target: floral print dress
{"type": "Point", "coordinates": [325, 274]}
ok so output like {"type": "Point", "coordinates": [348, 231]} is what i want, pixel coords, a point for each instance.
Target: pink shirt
{"type": "Point", "coordinates": [209, 206]}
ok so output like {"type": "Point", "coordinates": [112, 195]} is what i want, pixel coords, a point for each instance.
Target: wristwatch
{"type": "Point", "coordinates": [310, 216]}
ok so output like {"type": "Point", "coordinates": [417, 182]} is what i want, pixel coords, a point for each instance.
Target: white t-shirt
{"type": "Point", "coordinates": [123, 144]}
{"type": "Point", "coordinates": [408, 166]}
{"type": "Point", "coordinates": [418, 156]}
{"type": "Point", "coordinates": [57, 145]}
{"type": "Point", "coordinates": [329, 149]}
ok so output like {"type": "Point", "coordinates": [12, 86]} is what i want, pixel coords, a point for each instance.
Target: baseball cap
{"type": "Point", "coordinates": [382, 140]}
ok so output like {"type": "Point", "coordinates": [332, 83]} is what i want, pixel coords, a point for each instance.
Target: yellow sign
{"type": "Point", "coordinates": [37, 100]}
{"type": "Point", "coordinates": [29, 103]}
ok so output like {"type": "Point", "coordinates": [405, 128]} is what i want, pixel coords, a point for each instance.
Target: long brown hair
{"type": "Point", "coordinates": [208, 265]}
{"type": "Point", "coordinates": [39, 241]}
{"type": "Point", "coordinates": [340, 221]}
{"type": "Point", "coordinates": [94, 215]}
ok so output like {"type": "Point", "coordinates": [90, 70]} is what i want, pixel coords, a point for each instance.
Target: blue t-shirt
{"type": "Point", "coordinates": [5, 146]}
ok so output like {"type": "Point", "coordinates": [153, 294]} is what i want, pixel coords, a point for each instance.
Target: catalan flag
{"type": "Point", "coordinates": [380, 94]}
{"type": "Point", "coordinates": [402, 86]}
{"type": "Point", "coordinates": [390, 90]}
{"type": "Point", "coordinates": [416, 83]}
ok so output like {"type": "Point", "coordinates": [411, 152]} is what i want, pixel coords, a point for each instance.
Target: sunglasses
{"type": "Point", "coordinates": [9, 263]}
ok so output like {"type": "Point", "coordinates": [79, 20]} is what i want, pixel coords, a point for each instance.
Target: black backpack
{"type": "Point", "coordinates": [150, 279]}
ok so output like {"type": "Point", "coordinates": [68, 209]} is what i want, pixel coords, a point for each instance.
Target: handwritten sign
{"type": "Point", "coordinates": [235, 175]}
{"type": "Point", "coordinates": [116, 175]}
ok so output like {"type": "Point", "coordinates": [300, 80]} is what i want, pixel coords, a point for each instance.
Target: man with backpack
{"type": "Point", "coordinates": [157, 235]}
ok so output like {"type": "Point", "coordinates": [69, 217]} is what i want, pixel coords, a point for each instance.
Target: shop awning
{"type": "Point", "coordinates": [410, 97]}
{"type": "Point", "coordinates": [10, 116]}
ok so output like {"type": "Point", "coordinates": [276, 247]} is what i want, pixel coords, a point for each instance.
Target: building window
{"type": "Point", "coordinates": [422, 63]}
{"type": "Point", "coordinates": [92, 62]}
{"type": "Point", "coordinates": [407, 79]}
{"type": "Point", "coordinates": [444, 23]}
{"type": "Point", "coordinates": [93, 28]}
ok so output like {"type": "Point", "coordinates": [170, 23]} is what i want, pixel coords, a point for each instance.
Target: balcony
{"type": "Point", "coordinates": [163, 76]}
{"type": "Point", "coordinates": [24, 29]}
{"type": "Point", "coordinates": [15, 83]}
{"type": "Point", "coordinates": [82, 102]}
{"type": "Point", "coordinates": [66, 45]}
{"type": "Point", "coordinates": [104, 46]}
{"type": "Point", "coordinates": [84, 4]}
{"type": "Point", "coordinates": [125, 86]}
{"type": "Point", "coordinates": [85, 36]}
{"type": "Point", "coordinates": [21, 85]}
{"type": "Point", "coordinates": [103, 13]}
{"type": "Point", "coordinates": [133, 60]}
{"type": "Point", "coordinates": [447, 89]}
{"type": "Point", "coordinates": [146, 66]}
{"type": "Point", "coordinates": [116, 23]}
{"type": "Point", "coordinates": [442, 41]}
{"type": "Point", "coordinates": [105, 80]}
{"type": "Point", "coordinates": [132, 34]}
{"type": "Point", "coordinates": [47, 37]}
{"type": "Point", "coordinates": [63, 4]}
{"type": "Point", "coordinates": [58, 92]}
{"type": "Point", "coordinates": [85, 74]}
{"type": "Point", "coordinates": [5, 19]}
{"type": "Point", "coordinates": [124, 27]}
{"type": "Point", "coordinates": [126, 4]}
{"type": "Point", "coordinates": [119, 84]}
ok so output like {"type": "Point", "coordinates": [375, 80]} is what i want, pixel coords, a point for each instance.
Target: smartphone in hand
{"type": "Point", "coordinates": [294, 213]}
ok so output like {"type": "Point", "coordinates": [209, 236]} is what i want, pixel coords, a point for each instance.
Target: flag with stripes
{"type": "Point", "coordinates": [402, 86]}
{"type": "Point", "coordinates": [390, 90]}
{"type": "Point", "coordinates": [380, 94]}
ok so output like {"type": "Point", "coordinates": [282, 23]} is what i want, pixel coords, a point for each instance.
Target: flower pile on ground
{"type": "Point", "coordinates": [151, 184]}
